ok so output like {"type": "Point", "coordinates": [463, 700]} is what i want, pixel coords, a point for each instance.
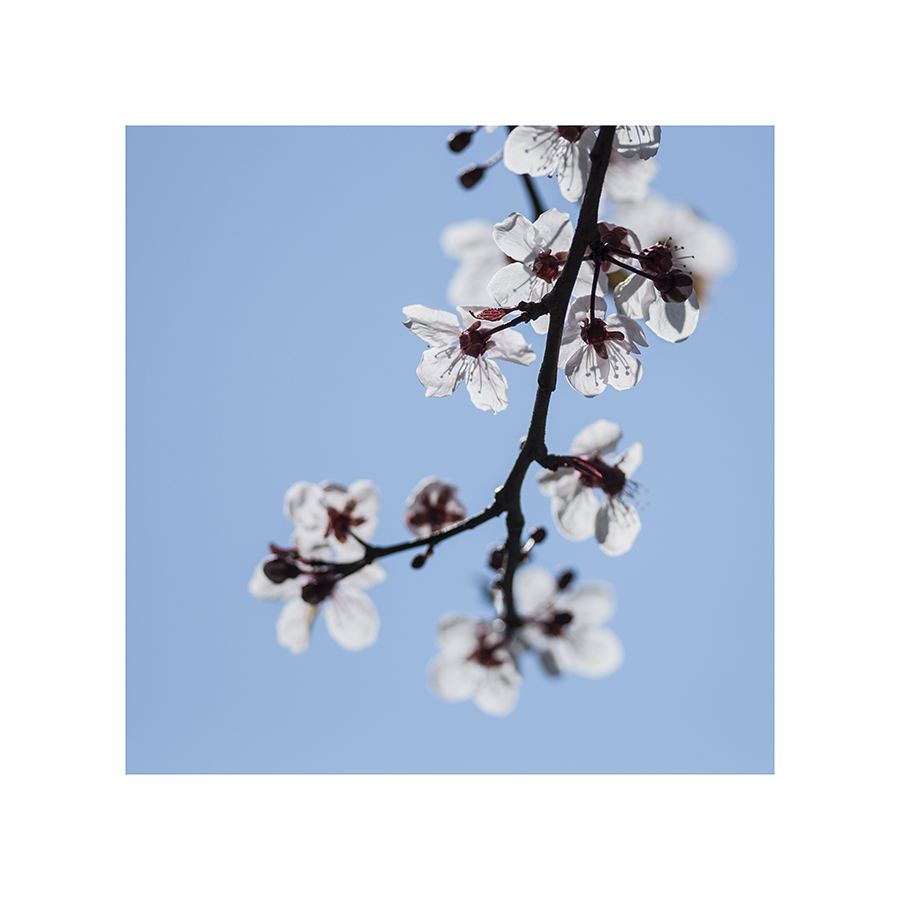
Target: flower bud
{"type": "Point", "coordinates": [470, 177]}
{"type": "Point", "coordinates": [459, 141]}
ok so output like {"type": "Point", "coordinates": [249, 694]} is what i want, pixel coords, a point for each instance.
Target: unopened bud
{"type": "Point", "coordinates": [470, 177]}
{"type": "Point", "coordinates": [565, 579]}
{"type": "Point", "coordinates": [539, 535]}
{"type": "Point", "coordinates": [498, 555]}
{"type": "Point", "coordinates": [459, 141]}
{"type": "Point", "coordinates": [419, 561]}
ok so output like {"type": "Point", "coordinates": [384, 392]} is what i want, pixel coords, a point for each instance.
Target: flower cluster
{"type": "Point", "coordinates": [324, 566]}
{"type": "Point", "coordinates": [479, 659]}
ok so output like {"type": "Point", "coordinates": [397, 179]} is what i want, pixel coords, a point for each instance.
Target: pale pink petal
{"type": "Point", "coordinates": [351, 617]}
{"type": "Point", "coordinates": [294, 623]}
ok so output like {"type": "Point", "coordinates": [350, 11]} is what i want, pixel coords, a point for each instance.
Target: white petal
{"type": "Point", "coordinates": [516, 283]}
{"type": "Point", "coordinates": [597, 439]}
{"type": "Point", "coordinates": [631, 329]}
{"type": "Point", "coordinates": [351, 617]}
{"type": "Point", "coordinates": [487, 386]}
{"type": "Point", "coordinates": [555, 229]}
{"type": "Point", "coordinates": [532, 149]}
{"type": "Point", "coordinates": [303, 506]}
{"type": "Point", "coordinates": [630, 459]}
{"type": "Point", "coordinates": [293, 626]}
{"type": "Point", "coordinates": [498, 690]}
{"type": "Point", "coordinates": [534, 589]}
{"type": "Point", "coordinates": [673, 322]}
{"type": "Point", "coordinates": [469, 238]}
{"type": "Point", "coordinates": [590, 604]}
{"type": "Point", "coordinates": [442, 370]}
{"type": "Point", "coordinates": [576, 515]}
{"type": "Point", "coordinates": [617, 527]}
{"type": "Point", "coordinates": [574, 168]}
{"type": "Point", "coordinates": [624, 370]}
{"type": "Point", "coordinates": [453, 678]}
{"type": "Point", "coordinates": [511, 346]}
{"type": "Point", "coordinates": [637, 140]}
{"type": "Point", "coordinates": [587, 371]}
{"type": "Point", "coordinates": [517, 238]}
{"type": "Point", "coordinates": [593, 652]}
{"type": "Point", "coordinates": [634, 295]}
{"type": "Point", "coordinates": [435, 326]}
{"type": "Point", "coordinates": [367, 576]}
{"type": "Point", "coordinates": [563, 482]}
{"type": "Point", "coordinates": [458, 634]}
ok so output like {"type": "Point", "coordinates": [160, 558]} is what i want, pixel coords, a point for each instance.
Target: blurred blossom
{"type": "Point", "coordinates": [432, 506]}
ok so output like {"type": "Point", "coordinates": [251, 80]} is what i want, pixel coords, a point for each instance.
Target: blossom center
{"type": "Point", "coordinates": [571, 133]}
{"type": "Point", "coordinates": [596, 335]}
{"type": "Point", "coordinates": [435, 514]}
{"type": "Point", "coordinates": [483, 654]}
{"type": "Point", "coordinates": [554, 627]}
{"type": "Point", "coordinates": [547, 266]}
{"type": "Point", "coordinates": [595, 473]}
{"type": "Point", "coordinates": [473, 341]}
{"type": "Point", "coordinates": [340, 521]}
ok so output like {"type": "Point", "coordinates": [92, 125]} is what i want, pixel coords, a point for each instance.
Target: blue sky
{"type": "Point", "coordinates": [266, 272]}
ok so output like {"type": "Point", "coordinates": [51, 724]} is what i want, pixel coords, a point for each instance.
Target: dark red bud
{"type": "Point", "coordinates": [470, 177]}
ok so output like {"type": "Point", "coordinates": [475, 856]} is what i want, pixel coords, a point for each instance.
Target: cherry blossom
{"type": "Point", "coordinates": [475, 664]}
{"type": "Point", "coordinates": [329, 518]}
{"type": "Point", "coordinates": [628, 178]}
{"type": "Point", "coordinates": [661, 294]}
{"type": "Point", "coordinates": [564, 625]}
{"type": "Point", "coordinates": [587, 495]}
{"type": "Point", "coordinates": [350, 616]}
{"type": "Point", "coordinates": [433, 506]}
{"type": "Point", "coordinates": [657, 221]}
{"type": "Point", "coordinates": [540, 250]}
{"type": "Point", "coordinates": [598, 352]}
{"type": "Point", "coordinates": [544, 149]}
{"type": "Point", "coordinates": [465, 353]}
{"type": "Point", "coordinates": [472, 243]}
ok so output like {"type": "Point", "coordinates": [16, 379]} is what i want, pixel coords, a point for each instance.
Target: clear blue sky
{"type": "Point", "coordinates": [267, 269]}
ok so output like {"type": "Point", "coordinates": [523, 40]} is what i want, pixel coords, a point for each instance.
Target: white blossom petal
{"type": "Point", "coordinates": [634, 296]}
{"type": "Point", "coordinates": [555, 230]}
{"type": "Point", "coordinates": [264, 589]}
{"type": "Point", "coordinates": [294, 623]}
{"type": "Point", "coordinates": [617, 526]}
{"type": "Point", "coordinates": [351, 617]}
{"type": "Point", "coordinates": [303, 506]}
{"type": "Point", "coordinates": [458, 634]}
{"type": "Point", "coordinates": [576, 514]}
{"type": "Point", "coordinates": [516, 283]}
{"type": "Point", "coordinates": [630, 459]}
{"type": "Point", "coordinates": [597, 439]}
{"type": "Point", "coordinates": [587, 371]}
{"type": "Point", "coordinates": [534, 589]}
{"type": "Point", "coordinates": [593, 652]}
{"type": "Point", "coordinates": [487, 386]}
{"type": "Point", "coordinates": [532, 150]}
{"type": "Point", "coordinates": [637, 140]}
{"type": "Point", "coordinates": [589, 604]}
{"type": "Point", "coordinates": [453, 678]}
{"type": "Point", "coordinates": [624, 370]}
{"type": "Point", "coordinates": [512, 347]}
{"type": "Point", "coordinates": [435, 326]}
{"type": "Point", "coordinates": [498, 690]}
{"type": "Point", "coordinates": [673, 322]}
{"type": "Point", "coordinates": [518, 238]}
{"type": "Point", "coordinates": [441, 370]}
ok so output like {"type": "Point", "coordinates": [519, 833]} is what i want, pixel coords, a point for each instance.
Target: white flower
{"type": "Point", "coordinates": [472, 243]}
{"type": "Point", "coordinates": [465, 353]}
{"type": "Point", "coordinates": [710, 248]}
{"type": "Point", "coordinates": [586, 497]}
{"type": "Point", "coordinates": [475, 663]}
{"type": "Point", "coordinates": [329, 518]}
{"type": "Point", "coordinates": [637, 140]}
{"type": "Point", "coordinates": [544, 149]}
{"type": "Point", "coordinates": [564, 625]}
{"type": "Point", "coordinates": [597, 353]}
{"type": "Point", "coordinates": [628, 178]}
{"type": "Point", "coordinates": [540, 250]}
{"type": "Point", "coordinates": [661, 294]}
{"type": "Point", "coordinates": [432, 506]}
{"type": "Point", "coordinates": [350, 616]}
